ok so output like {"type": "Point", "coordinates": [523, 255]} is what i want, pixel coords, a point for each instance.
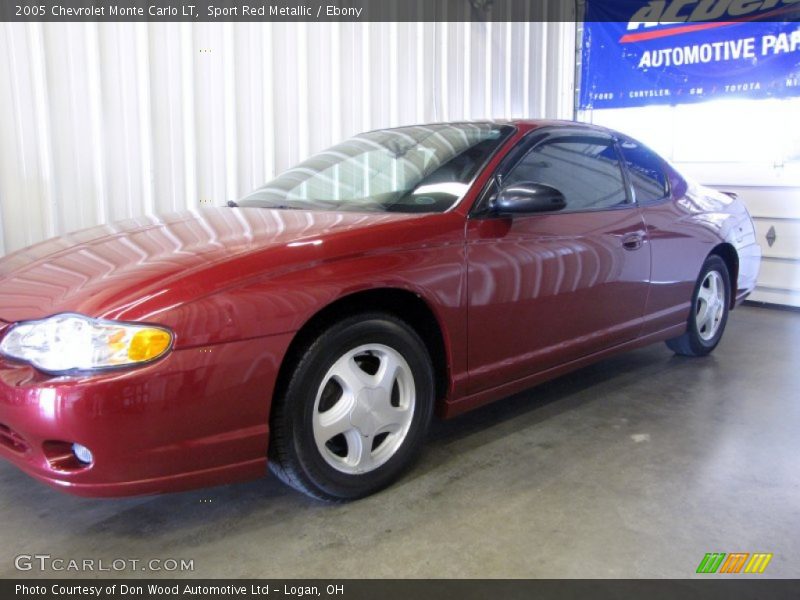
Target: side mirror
{"type": "Point", "coordinates": [527, 197]}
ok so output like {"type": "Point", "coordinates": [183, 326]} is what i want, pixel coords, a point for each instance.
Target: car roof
{"type": "Point", "coordinates": [523, 125]}
{"type": "Point", "coordinates": [530, 124]}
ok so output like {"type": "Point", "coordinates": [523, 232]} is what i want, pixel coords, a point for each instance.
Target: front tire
{"type": "Point", "coordinates": [355, 411]}
{"type": "Point", "coordinates": [709, 313]}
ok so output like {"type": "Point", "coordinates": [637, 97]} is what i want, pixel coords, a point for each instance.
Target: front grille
{"type": "Point", "coordinates": [12, 440]}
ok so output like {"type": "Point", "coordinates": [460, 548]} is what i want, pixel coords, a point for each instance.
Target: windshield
{"type": "Point", "coordinates": [410, 169]}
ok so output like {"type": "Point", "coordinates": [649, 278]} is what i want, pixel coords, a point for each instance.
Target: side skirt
{"type": "Point", "coordinates": [453, 408]}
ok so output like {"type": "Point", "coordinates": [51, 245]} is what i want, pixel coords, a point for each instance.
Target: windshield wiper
{"type": "Point", "coordinates": [233, 204]}
{"type": "Point", "coordinates": [282, 207]}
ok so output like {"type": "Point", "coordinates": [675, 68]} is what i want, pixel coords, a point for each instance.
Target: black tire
{"type": "Point", "coordinates": [294, 455]}
{"type": "Point", "coordinates": [697, 341]}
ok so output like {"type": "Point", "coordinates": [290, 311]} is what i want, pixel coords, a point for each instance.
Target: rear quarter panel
{"type": "Point", "coordinates": [682, 232]}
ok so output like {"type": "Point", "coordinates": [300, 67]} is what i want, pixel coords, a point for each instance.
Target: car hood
{"type": "Point", "coordinates": [107, 271]}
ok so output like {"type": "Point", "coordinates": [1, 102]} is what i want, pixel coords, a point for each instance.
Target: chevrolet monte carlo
{"type": "Point", "coordinates": [319, 323]}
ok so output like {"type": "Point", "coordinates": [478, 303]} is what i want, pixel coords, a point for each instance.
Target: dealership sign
{"type": "Point", "coordinates": [678, 51]}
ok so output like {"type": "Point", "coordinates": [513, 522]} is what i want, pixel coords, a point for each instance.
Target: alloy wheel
{"type": "Point", "coordinates": [364, 408]}
{"type": "Point", "coordinates": [710, 306]}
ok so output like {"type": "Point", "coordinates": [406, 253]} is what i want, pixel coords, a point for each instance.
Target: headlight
{"type": "Point", "coordinates": [69, 342]}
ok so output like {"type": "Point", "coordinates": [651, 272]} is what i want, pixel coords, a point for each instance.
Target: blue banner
{"type": "Point", "coordinates": [680, 51]}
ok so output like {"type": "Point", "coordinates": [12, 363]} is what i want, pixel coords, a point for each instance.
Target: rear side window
{"type": "Point", "coordinates": [586, 170]}
{"type": "Point", "coordinates": [648, 179]}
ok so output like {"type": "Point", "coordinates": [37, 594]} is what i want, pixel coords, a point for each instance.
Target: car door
{"type": "Point", "coordinates": [551, 287]}
{"type": "Point", "coordinates": [678, 244]}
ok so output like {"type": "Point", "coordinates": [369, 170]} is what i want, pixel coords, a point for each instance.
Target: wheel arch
{"type": "Point", "coordinates": [730, 257]}
{"type": "Point", "coordinates": [402, 303]}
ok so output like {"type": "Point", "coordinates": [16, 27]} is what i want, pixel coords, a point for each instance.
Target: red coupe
{"type": "Point", "coordinates": [319, 323]}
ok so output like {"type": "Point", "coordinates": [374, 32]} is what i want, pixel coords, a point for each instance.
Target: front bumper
{"type": "Point", "coordinates": [197, 418]}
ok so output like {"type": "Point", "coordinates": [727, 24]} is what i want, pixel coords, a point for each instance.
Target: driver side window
{"type": "Point", "coordinates": [586, 171]}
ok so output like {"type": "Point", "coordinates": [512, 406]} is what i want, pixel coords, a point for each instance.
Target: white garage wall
{"type": "Point", "coordinates": [100, 122]}
{"type": "Point", "coordinates": [776, 210]}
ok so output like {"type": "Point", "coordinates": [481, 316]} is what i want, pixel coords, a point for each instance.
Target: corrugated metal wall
{"type": "Point", "coordinates": [106, 121]}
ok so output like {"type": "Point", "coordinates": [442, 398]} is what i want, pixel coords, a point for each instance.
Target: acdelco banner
{"type": "Point", "coordinates": [678, 51]}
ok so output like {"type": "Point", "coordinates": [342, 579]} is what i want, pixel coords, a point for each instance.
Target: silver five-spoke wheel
{"type": "Point", "coordinates": [355, 411]}
{"type": "Point", "coordinates": [363, 409]}
{"type": "Point", "coordinates": [710, 306]}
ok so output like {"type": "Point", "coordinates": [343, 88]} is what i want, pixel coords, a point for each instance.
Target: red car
{"type": "Point", "coordinates": [320, 322]}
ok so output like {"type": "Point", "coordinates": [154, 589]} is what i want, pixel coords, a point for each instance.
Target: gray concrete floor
{"type": "Point", "coordinates": [634, 467]}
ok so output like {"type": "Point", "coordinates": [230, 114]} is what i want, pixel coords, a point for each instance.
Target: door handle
{"type": "Point", "coordinates": [632, 241]}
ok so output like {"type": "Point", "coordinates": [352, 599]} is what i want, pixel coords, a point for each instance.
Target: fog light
{"type": "Point", "coordinates": [83, 454]}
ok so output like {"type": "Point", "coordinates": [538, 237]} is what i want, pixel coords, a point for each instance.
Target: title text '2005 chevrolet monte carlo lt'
{"type": "Point", "coordinates": [320, 322]}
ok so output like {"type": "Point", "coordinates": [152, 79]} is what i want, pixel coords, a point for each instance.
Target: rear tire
{"type": "Point", "coordinates": [709, 312]}
{"type": "Point", "coordinates": [356, 409]}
